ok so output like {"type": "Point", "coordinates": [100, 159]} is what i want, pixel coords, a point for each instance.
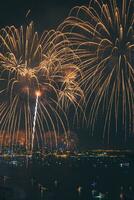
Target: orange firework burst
{"type": "Point", "coordinates": [36, 74]}
{"type": "Point", "coordinates": [103, 35]}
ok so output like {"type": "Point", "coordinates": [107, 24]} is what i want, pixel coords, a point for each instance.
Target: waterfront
{"type": "Point", "coordinates": [94, 175]}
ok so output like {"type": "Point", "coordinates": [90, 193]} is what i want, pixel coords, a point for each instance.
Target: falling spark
{"type": "Point", "coordinates": [103, 36]}
{"type": "Point", "coordinates": [28, 12]}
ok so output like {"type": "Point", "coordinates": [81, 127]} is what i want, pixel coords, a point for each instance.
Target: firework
{"type": "Point", "coordinates": [38, 93]}
{"type": "Point", "coordinates": [37, 75]}
{"type": "Point", "coordinates": [103, 36]}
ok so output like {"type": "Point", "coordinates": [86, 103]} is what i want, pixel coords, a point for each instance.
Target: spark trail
{"type": "Point", "coordinates": [34, 121]}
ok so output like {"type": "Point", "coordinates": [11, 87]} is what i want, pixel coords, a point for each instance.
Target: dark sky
{"type": "Point", "coordinates": [46, 14]}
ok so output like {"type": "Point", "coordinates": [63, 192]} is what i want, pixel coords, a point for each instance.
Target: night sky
{"type": "Point", "coordinates": [47, 15]}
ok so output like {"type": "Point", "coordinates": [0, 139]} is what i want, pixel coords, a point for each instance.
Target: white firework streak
{"type": "Point", "coordinates": [34, 122]}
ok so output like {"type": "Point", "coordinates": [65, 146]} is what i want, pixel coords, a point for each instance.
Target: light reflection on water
{"type": "Point", "coordinates": [68, 179]}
